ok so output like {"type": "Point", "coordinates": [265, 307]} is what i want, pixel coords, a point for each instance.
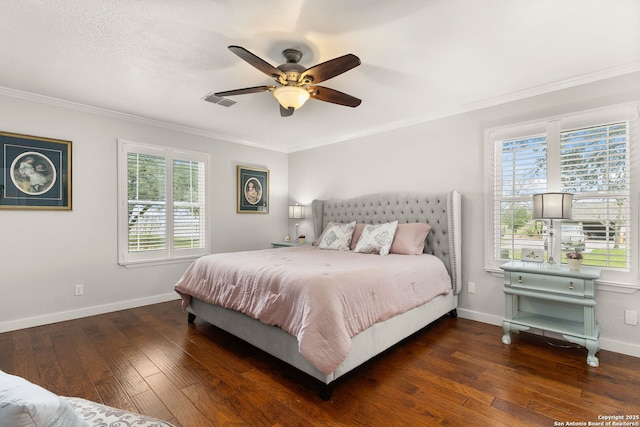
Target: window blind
{"type": "Point", "coordinates": [147, 225]}
{"type": "Point", "coordinates": [593, 163]}
{"type": "Point", "coordinates": [188, 204]}
{"type": "Point", "coordinates": [595, 167]}
{"type": "Point", "coordinates": [162, 213]}
{"type": "Point", "coordinates": [521, 172]}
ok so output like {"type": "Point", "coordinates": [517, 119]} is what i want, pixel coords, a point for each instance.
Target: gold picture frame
{"type": "Point", "coordinates": [253, 190]}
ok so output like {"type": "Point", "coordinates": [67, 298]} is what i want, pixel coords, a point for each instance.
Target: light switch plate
{"type": "Point", "coordinates": [532, 255]}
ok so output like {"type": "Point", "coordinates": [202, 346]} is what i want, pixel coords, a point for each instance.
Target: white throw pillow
{"type": "Point", "coordinates": [337, 236]}
{"type": "Point", "coordinates": [377, 238]}
{"type": "Point", "coordinates": [24, 404]}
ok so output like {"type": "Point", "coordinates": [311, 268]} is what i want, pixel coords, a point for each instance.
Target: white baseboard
{"type": "Point", "coordinates": [31, 322]}
{"type": "Point", "coordinates": [605, 344]}
{"type": "Point", "coordinates": [620, 347]}
{"type": "Point", "coordinates": [480, 317]}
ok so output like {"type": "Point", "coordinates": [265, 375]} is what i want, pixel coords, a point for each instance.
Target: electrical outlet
{"type": "Point", "coordinates": [471, 287]}
{"type": "Point", "coordinates": [631, 317]}
{"type": "Point", "coordinates": [79, 290]}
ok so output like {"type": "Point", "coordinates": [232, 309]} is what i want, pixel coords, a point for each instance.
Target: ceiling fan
{"type": "Point", "coordinates": [295, 83]}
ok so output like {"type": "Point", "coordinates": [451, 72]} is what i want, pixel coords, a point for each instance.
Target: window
{"type": "Point", "coordinates": [590, 155]}
{"type": "Point", "coordinates": [162, 212]}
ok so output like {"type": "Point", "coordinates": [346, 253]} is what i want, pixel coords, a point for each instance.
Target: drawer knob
{"type": "Point", "coordinates": [570, 286]}
{"type": "Point", "coordinates": [519, 279]}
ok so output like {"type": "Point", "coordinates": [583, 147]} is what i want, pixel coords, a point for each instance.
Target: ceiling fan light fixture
{"type": "Point", "coordinates": [291, 96]}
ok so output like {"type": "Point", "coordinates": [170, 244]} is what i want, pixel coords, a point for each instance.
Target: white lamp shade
{"type": "Point", "coordinates": [552, 205]}
{"type": "Point", "coordinates": [291, 96]}
{"type": "Point", "coordinates": [296, 211]}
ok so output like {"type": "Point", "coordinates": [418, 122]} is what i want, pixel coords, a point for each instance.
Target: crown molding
{"type": "Point", "coordinates": [490, 102]}
{"type": "Point", "coordinates": [104, 112]}
{"type": "Point", "coordinates": [412, 121]}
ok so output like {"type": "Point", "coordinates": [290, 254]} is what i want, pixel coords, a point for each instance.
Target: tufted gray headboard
{"type": "Point", "coordinates": [441, 211]}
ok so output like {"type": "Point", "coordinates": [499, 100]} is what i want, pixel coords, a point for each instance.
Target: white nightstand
{"type": "Point", "coordinates": [552, 298]}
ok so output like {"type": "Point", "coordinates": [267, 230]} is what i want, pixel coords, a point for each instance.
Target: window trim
{"type": "Point", "coordinates": [611, 279]}
{"type": "Point", "coordinates": [169, 255]}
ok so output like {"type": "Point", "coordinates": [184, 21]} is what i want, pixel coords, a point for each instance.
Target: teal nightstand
{"type": "Point", "coordinates": [552, 298]}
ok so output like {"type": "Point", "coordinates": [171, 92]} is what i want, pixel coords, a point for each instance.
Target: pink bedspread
{"type": "Point", "coordinates": [322, 297]}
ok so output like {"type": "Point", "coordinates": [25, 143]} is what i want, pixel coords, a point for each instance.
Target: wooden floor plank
{"type": "Point", "coordinates": [6, 352]}
{"type": "Point", "coordinates": [126, 373]}
{"type": "Point", "coordinates": [560, 409]}
{"type": "Point", "coordinates": [179, 404]}
{"type": "Point", "coordinates": [150, 404]}
{"type": "Point", "coordinates": [454, 372]}
{"type": "Point", "coordinates": [212, 404]}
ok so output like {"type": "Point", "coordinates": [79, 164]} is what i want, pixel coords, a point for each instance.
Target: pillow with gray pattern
{"type": "Point", "coordinates": [337, 236]}
{"type": "Point", "coordinates": [377, 238]}
{"type": "Point", "coordinates": [100, 415]}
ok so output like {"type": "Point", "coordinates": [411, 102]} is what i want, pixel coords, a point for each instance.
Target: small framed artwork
{"type": "Point", "coordinates": [532, 255]}
{"type": "Point", "coordinates": [253, 190]}
{"type": "Point", "coordinates": [36, 172]}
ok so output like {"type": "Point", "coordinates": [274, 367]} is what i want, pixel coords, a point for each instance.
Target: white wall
{"type": "Point", "coordinates": [43, 254]}
{"type": "Point", "coordinates": [449, 154]}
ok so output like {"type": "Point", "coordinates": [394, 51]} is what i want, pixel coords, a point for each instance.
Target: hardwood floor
{"type": "Point", "coordinates": [455, 372]}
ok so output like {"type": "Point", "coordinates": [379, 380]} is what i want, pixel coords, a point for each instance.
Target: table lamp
{"type": "Point", "coordinates": [552, 206]}
{"type": "Point", "coordinates": [296, 212]}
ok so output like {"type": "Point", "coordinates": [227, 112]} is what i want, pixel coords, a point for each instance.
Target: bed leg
{"type": "Point", "coordinates": [191, 317]}
{"type": "Point", "coordinates": [326, 391]}
{"type": "Point", "coordinates": [453, 313]}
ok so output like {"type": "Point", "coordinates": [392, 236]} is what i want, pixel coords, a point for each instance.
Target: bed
{"type": "Point", "coordinates": [442, 212]}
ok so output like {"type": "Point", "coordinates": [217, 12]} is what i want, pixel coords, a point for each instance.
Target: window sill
{"type": "Point", "coordinates": [158, 262]}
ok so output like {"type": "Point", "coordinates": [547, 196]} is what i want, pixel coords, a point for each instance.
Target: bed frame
{"type": "Point", "coordinates": [441, 211]}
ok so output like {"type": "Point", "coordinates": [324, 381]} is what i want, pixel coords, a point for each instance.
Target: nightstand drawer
{"type": "Point", "coordinates": [558, 284]}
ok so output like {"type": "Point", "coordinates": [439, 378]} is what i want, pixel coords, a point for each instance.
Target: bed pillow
{"type": "Point", "coordinates": [357, 232]}
{"type": "Point", "coordinates": [337, 236]}
{"type": "Point", "coordinates": [26, 404]}
{"type": "Point", "coordinates": [377, 238]}
{"type": "Point", "coordinates": [319, 238]}
{"type": "Point", "coordinates": [410, 238]}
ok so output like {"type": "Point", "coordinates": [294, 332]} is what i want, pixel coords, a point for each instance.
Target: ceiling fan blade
{"type": "Point", "coordinates": [257, 62]}
{"type": "Point", "coordinates": [327, 70]}
{"type": "Point", "coordinates": [286, 112]}
{"type": "Point", "coordinates": [245, 91]}
{"type": "Point", "coordinates": [322, 93]}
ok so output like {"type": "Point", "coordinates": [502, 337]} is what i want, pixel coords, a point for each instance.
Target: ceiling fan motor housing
{"type": "Point", "coordinates": [292, 68]}
{"type": "Point", "coordinates": [292, 56]}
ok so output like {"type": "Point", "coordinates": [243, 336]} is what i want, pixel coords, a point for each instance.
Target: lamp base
{"type": "Point", "coordinates": [551, 243]}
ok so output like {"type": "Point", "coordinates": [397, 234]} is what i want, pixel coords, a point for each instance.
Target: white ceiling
{"type": "Point", "coordinates": [421, 59]}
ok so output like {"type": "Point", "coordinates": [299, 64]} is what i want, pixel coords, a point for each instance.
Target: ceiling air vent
{"type": "Point", "coordinates": [219, 100]}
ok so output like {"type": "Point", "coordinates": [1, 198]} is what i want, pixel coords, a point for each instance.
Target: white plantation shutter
{"type": "Point", "coordinates": [595, 167]}
{"type": "Point", "coordinates": [146, 199]}
{"type": "Point", "coordinates": [163, 208]}
{"type": "Point", "coordinates": [188, 205]}
{"type": "Point", "coordinates": [588, 154]}
{"type": "Point", "coordinates": [522, 173]}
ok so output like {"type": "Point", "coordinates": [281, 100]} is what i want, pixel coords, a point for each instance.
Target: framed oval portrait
{"type": "Point", "coordinates": [253, 190]}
